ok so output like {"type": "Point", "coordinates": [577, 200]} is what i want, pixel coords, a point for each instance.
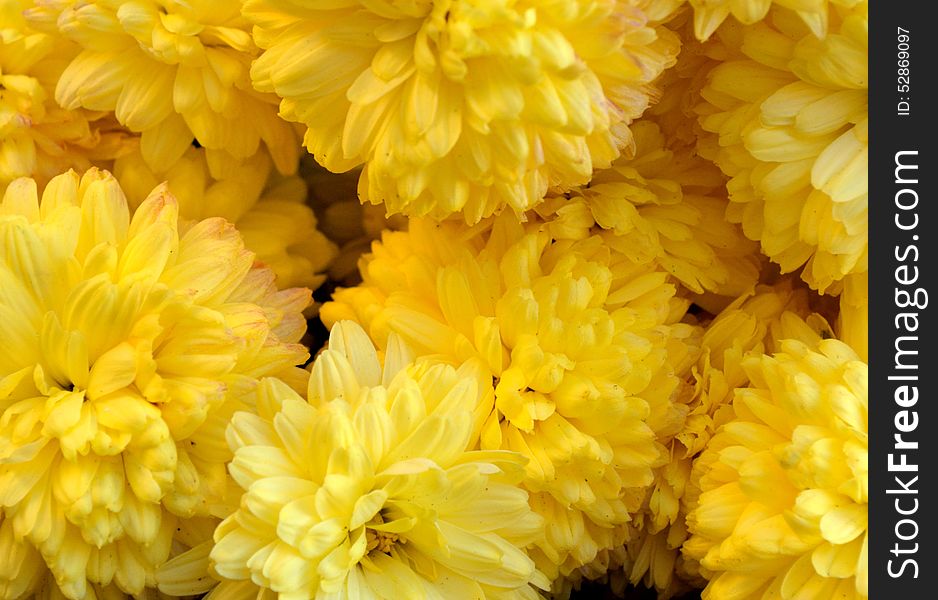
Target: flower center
{"type": "Point", "coordinates": [380, 541]}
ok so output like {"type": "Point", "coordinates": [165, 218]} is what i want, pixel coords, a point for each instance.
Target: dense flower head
{"type": "Point", "coordinates": [665, 207]}
{"type": "Point", "coordinates": [783, 486]}
{"type": "Point", "coordinates": [752, 325]}
{"type": "Point", "coordinates": [268, 209]}
{"type": "Point", "coordinates": [370, 488]}
{"type": "Point", "coordinates": [173, 71]}
{"type": "Point", "coordinates": [709, 14]}
{"type": "Point", "coordinates": [127, 344]}
{"type": "Point", "coordinates": [38, 138]}
{"type": "Point", "coordinates": [582, 347]}
{"type": "Point", "coordinates": [463, 106]}
{"type": "Point", "coordinates": [789, 114]}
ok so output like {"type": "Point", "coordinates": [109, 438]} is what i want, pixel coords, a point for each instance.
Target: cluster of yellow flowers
{"type": "Point", "coordinates": [590, 299]}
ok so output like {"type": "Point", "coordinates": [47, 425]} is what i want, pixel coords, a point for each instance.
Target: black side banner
{"type": "Point", "coordinates": [903, 267]}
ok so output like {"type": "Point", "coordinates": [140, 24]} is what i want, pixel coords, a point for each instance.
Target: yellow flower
{"type": "Point", "coordinates": [664, 207]}
{"type": "Point", "coordinates": [127, 344]}
{"type": "Point", "coordinates": [174, 71]}
{"type": "Point", "coordinates": [782, 508]}
{"type": "Point", "coordinates": [38, 138]}
{"type": "Point", "coordinates": [709, 14]}
{"type": "Point", "coordinates": [463, 106]}
{"type": "Point", "coordinates": [268, 209]}
{"type": "Point", "coordinates": [750, 326]}
{"type": "Point", "coordinates": [789, 114]}
{"type": "Point", "coordinates": [370, 489]}
{"type": "Point", "coordinates": [581, 346]}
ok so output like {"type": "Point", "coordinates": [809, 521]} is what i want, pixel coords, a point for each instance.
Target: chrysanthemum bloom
{"type": "Point", "coordinates": [750, 326]}
{"type": "Point", "coordinates": [38, 138]}
{"type": "Point", "coordinates": [174, 71]}
{"type": "Point", "coordinates": [790, 117]}
{"type": "Point", "coordinates": [663, 207]}
{"type": "Point", "coordinates": [782, 509]}
{"type": "Point", "coordinates": [268, 209]}
{"type": "Point", "coordinates": [126, 345]}
{"type": "Point", "coordinates": [370, 489]}
{"type": "Point", "coordinates": [709, 14]}
{"type": "Point", "coordinates": [343, 219]}
{"type": "Point", "coordinates": [578, 342]}
{"type": "Point", "coordinates": [461, 105]}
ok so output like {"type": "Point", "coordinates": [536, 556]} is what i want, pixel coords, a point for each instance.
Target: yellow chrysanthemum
{"type": "Point", "coordinates": [790, 117]}
{"type": "Point", "coordinates": [663, 207]}
{"type": "Point", "coordinates": [370, 489]}
{"type": "Point", "coordinates": [580, 344]}
{"type": "Point", "coordinates": [268, 209]}
{"type": "Point", "coordinates": [126, 345]}
{"type": "Point", "coordinates": [174, 71]}
{"type": "Point", "coordinates": [38, 138]}
{"type": "Point", "coordinates": [343, 219]}
{"type": "Point", "coordinates": [782, 509]}
{"type": "Point", "coordinates": [463, 105]}
{"type": "Point", "coordinates": [750, 326]}
{"type": "Point", "coordinates": [709, 14]}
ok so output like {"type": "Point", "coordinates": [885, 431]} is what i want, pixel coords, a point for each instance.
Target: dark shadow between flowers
{"type": "Point", "coordinates": [599, 591]}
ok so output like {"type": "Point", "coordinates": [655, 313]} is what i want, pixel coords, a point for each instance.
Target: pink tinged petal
{"type": "Point", "coordinates": [159, 207]}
